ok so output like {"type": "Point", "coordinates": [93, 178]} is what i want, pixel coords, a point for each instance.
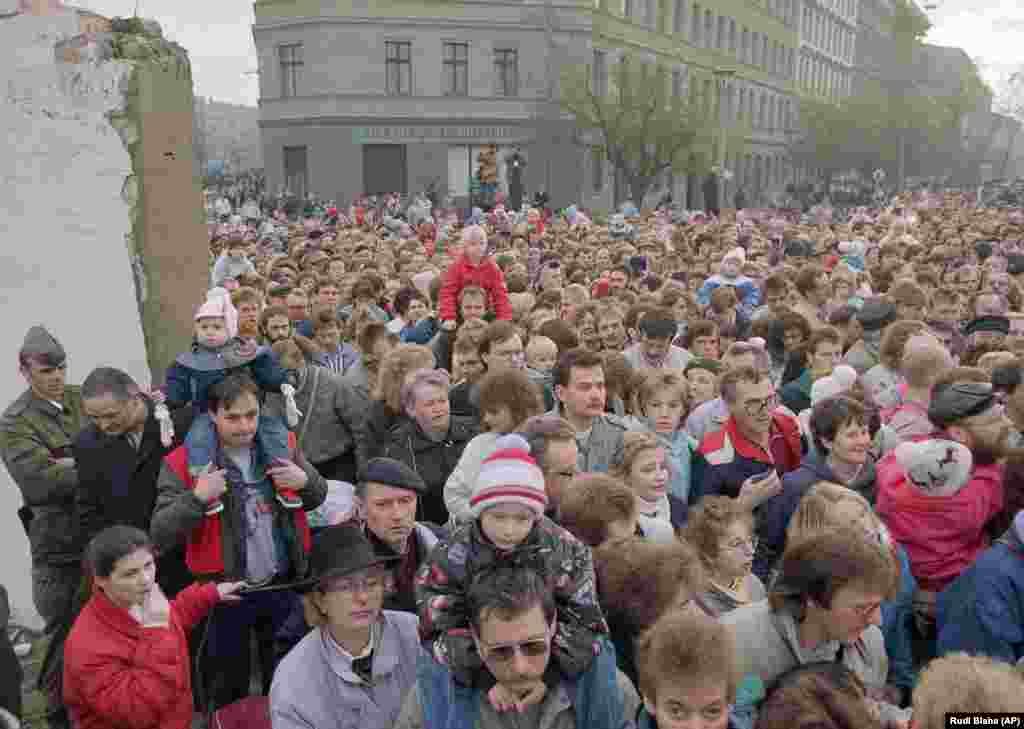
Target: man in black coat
{"type": "Point", "coordinates": [119, 456]}
{"type": "Point", "coordinates": [11, 674]}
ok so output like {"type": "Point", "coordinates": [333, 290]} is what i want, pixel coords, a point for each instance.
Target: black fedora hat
{"type": "Point", "coordinates": [340, 550]}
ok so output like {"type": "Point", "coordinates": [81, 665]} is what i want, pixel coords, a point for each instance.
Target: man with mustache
{"type": "Point", "coordinates": [942, 521]}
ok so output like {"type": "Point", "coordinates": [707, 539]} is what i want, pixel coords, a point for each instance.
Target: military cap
{"type": "Point", "coordinates": [389, 472]}
{"type": "Point", "coordinates": [959, 400]}
{"type": "Point", "coordinates": [42, 346]}
{"type": "Point", "coordinates": [876, 314]}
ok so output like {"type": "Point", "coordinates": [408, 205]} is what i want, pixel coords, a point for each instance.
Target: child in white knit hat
{"type": "Point", "coordinates": [508, 529]}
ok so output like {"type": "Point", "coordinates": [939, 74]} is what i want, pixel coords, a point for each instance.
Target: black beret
{"type": "Point", "coordinates": [999, 324]}
{"type": "Point", "coordinates": [389, 472]}
{"type": "Point", "coordinates": [1014, 264]}
{"type": "Point", "coordinates": [959, 400]}
{"type": "Point", "coordinates": [983, 248]}
{"type": "Point", "coordinates": [876, 314]}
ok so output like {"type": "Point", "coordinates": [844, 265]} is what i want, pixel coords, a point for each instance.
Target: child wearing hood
{"type": "Point", "coordinates": [217, 352]}
{"type": "Point", "coordinates": [729, 274]}
{"type": "Point", "coordinates": [473, 268]}
{"type": "Point", "coordinates": [232, 263]}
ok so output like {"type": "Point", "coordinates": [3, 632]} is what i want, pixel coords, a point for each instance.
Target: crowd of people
{"type": "Point", "coordinates": [520, 468]}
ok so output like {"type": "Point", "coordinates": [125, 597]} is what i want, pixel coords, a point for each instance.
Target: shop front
{"type": "Point", "coordinates": [446, 158]}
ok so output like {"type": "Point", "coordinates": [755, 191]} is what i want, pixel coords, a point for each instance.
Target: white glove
{"type": "Point", "coordinates": [163, 416]}
{"type": "Point", "coordinates": [291, 410]}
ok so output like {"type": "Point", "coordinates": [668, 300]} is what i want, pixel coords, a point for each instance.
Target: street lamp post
{"type": "Point", "coordinates": [722, 78]}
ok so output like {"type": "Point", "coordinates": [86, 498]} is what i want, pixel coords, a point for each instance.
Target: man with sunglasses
{"type": "Point", "coordinates": [512, 621]}
{"type": "Point", "coordinates": [757, 444]}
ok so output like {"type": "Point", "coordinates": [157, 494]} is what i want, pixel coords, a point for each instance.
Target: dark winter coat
{"type": "Point", "coordinates": [433, 460]}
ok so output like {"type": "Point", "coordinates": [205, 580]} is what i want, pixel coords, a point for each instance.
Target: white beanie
{"type": "Point", "coordinates": [509, 476]}
{"type": "Point", "coordinates": [841, 380]}
{"type": "Point", "coordinates": [936, 467]}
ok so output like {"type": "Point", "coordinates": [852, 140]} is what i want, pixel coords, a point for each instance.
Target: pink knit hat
{"type": "Point", "coordinates": [218, 304]}
{"type": "Point", "coordinates": [509, 476]}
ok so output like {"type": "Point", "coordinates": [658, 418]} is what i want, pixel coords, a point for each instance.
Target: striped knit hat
{"type": "Point", "coordinates": [509, 476]}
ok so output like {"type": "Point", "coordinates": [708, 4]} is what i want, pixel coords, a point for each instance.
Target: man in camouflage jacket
{"type": "Point", "coordinates": [36, 432]}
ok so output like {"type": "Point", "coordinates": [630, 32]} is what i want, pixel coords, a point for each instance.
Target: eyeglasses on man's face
{"type": "Point", "coordinates": [534, 648]}
{"type": "Point", "coordinates": [757, 406]}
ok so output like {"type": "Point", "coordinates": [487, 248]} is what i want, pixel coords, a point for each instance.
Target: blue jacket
{"type": "Point", "coordinates": [774, 514]}
{"type": "Point", "coordinates": [746, 291]}
{"type": "Point", "coordinates": [982, 611]}
{"type": "Point", "coordinates": [196, 371]}
{"type": "Point", "coordinates": [796, 394]}
{"type": "Point", "coordinates": [687, 467]}
{"type": "Point", "coordinates": [597, 700]}
{"type": "Point", "coordinates": [420, 333]}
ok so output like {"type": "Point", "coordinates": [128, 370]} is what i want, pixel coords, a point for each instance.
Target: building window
{"type": "Point", "coordinates": [628, 9]}
{"type": "Point", "coordinates": [679, 19]}
{"type": "Point", "coordinates": [506, 71]}
{"type": "Point", "coordinates": [399, 67]}
{"type": "Point", "coordinates": [291, 68]}
{"type": "Point", "coordinates": [456, 69]}
{"type": "Point", "coordinates": [599, 74]}
{"type": "Point", "coordinates": [597, 168]}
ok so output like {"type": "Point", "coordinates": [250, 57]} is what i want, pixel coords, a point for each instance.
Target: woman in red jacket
{"type": "Point", "coordinates": [126, 661]}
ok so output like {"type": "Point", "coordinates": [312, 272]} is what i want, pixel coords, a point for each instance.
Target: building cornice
{"type": "Point", "coordinates": [421, 22]}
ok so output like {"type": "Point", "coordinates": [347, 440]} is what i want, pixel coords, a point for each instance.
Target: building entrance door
{"type": "Point", "coordinates": [384, 169]}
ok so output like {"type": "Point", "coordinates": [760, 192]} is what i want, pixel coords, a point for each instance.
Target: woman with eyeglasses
{"type": "Point", "coordinates": [829, 506]}
{"type": "Point", "coordinates": [722, 531]}
{"type": "Point", "coordinates": [354, 669]}
{"type": "Point", "coordinates": [824, 605]}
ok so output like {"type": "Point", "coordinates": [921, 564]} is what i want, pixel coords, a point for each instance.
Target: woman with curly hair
{"type": "Point", "coordinates": [639, 581]}
{"type": "Point", "coordinates": [644, 467]}
{"type": "Point", "coordinates": [385, 398]}
{"type": "Point", "coordinates": [722, 532]}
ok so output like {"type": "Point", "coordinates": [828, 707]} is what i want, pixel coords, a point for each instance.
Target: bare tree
{"type": "Point", "coordinates": [646, 126]}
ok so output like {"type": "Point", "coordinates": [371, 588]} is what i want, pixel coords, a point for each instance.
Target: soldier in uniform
{"type": "Point", "coordinates": [36, 433]}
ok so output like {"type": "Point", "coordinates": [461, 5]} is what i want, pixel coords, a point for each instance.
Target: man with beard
{"type": "Point", "coordinates": [939, 519]}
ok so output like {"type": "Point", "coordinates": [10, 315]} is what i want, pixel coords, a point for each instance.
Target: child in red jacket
{"type": "Point", "coordinates": [473, 268]}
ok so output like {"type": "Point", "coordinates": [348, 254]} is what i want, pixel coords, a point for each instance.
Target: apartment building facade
{"type": "Point", "coordinates": [367, 97]}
